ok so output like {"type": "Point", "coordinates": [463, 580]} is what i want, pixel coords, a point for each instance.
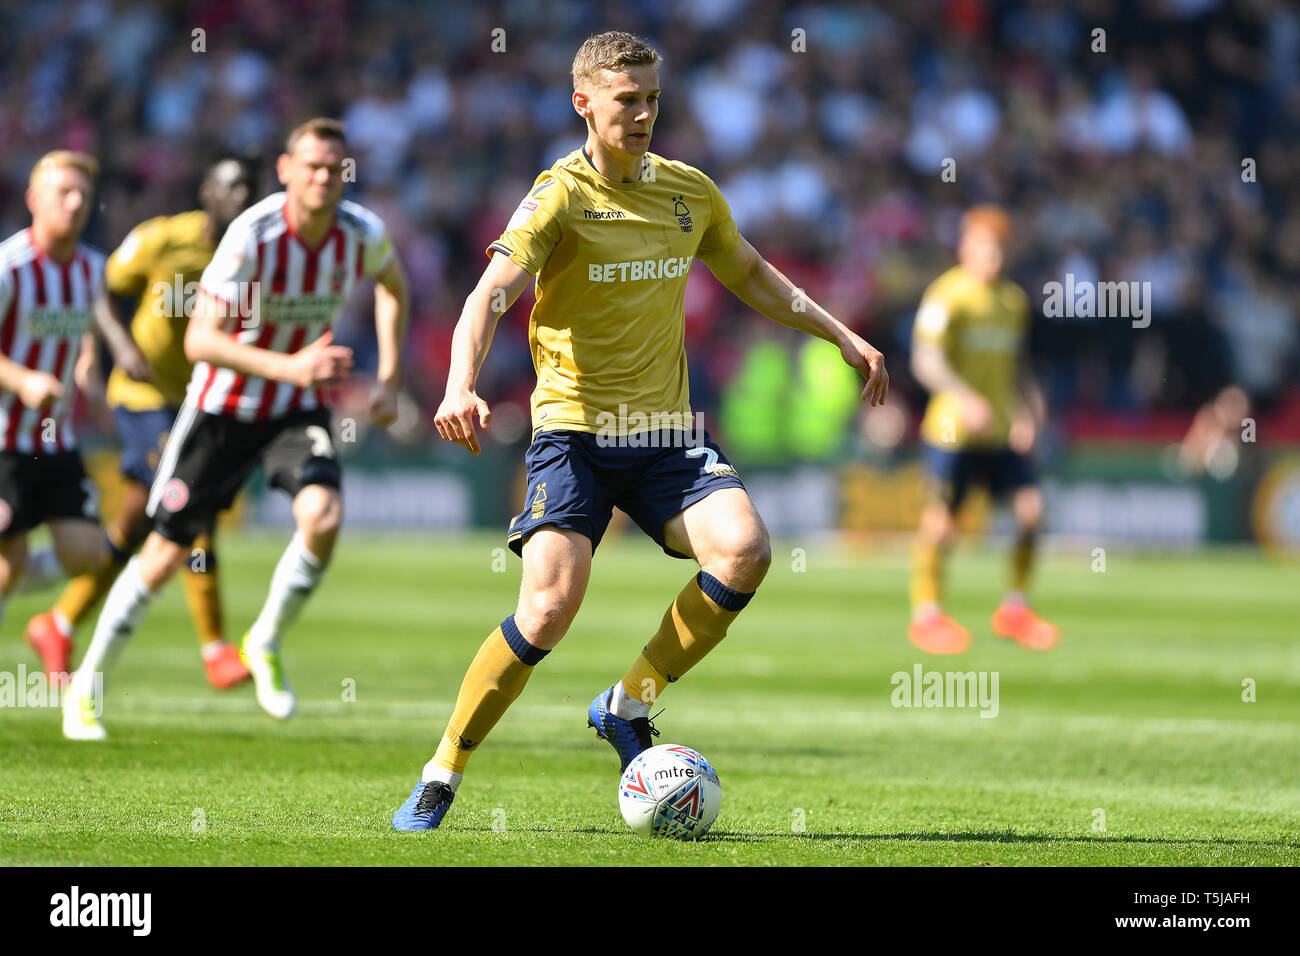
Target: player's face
{"type": "Point", "coordinates": [624, 112]}
{"type": "Point", "coordinates": [227, 191]}
{"type": "Point", "coordinates": [981, 252]}
{"type": "Point", "coordinates": [60, 201]}
{"type": "Point", "coordinates": [313, 174]}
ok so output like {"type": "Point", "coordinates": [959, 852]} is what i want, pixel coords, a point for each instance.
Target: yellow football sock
{"type": "Point", "coordinates": [82, 593]}
{"type": "Point", "coordinates": [1022, 561]}
{"type": "Point", "coordinates": [643, 681]}
{"type": "Point", "coordinates": [927, 573]}
{"type": "Point", "coordinates": [493, 682]}
{"type": "Point", "coordinates": [694, 625]}
{"type": "Point", "coordinates": [202, 593]}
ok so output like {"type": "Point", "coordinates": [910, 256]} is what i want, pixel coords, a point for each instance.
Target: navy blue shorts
{"type": "Point", "coordinates": [574, 483]}
{"type": "Point", "coordinates": [951, 473]}
{"type": "Point", "coordinates": [143, 435]}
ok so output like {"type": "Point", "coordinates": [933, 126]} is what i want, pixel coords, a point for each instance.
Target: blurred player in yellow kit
{"type": "Point", "coordinates": [984, 412]}
{"type": "Point", "coordinates": [158, 264]}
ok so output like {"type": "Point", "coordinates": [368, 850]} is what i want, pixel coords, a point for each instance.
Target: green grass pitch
{"type": "Point", "coordinates": [1137, 722]}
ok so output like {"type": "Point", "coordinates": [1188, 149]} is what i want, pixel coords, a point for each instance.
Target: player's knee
{"type": "Point", "coordinates": [81, 553]}
{"type": "Point", "coordinates": [741, 560]}
{"type": "Point", "coordinates": [1028, 507]}
{"type": "Point", "coordinates": [160, 559]}
{"type": "Point", "coordinates": [937, 525]}
{"type": "Point", "coordinates": [13, 562]}
{"type": "Point", "coordinates": [756, 554]}
{"type": "Point", "coordinates": [319, 511]}
{"type": "Point", "coordinates": [82, 560]}
{"type": "Point", "coordinates": [543, 618]}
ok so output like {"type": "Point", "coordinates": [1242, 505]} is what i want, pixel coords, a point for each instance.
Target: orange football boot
{"type": "Point", "coordinates": [938, 634]}
{"type": "Point", "coordinates": [54, 647]}
{"type": "Point", "coordinates": [1017, 622]}
{"type": "Point", "coordinates": [225, 669]}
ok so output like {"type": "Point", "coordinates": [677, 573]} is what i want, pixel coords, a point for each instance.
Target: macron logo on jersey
{"type": "Point", "coordinates": [638, 269]}
{"type": "Point", "coordinates": [604, 214]}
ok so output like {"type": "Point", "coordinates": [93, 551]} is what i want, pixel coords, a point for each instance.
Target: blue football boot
{"type": "Point", "coordinates": [425, 807]}
{"type": "Point", "coordinates": [627, 737]}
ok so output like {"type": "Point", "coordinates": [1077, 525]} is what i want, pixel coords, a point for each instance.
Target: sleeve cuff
{"type": "Point", "coordinates": [513, 257]}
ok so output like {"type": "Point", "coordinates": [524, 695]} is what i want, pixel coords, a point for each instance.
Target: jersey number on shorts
{"type": "Point", "coordinates": [711, 464]}
{"type": "Point", "coordinates": [321, 446]}
{"type": "Point", "coordinates": [90, 506]}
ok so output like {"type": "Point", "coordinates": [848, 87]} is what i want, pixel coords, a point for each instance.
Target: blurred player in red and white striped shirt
{"type": "Point", "coordinates": [49, 283]}
{"type": "Point", "coordinates": [261, 342]}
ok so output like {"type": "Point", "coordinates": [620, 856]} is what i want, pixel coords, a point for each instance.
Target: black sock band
{"type": "Point", "coordinates": [120, 555]}
{"type": "Point", "coordinates": [722, 595]}
{"type": "Point", "coordinates": [526, 652]}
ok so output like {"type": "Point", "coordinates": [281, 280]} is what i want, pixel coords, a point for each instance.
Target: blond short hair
{"type": "Point", "coordinates": [611, 51]}
{"type": "Point", "coordinates": [322, 127]}
{"type": "Point", "coordinates": [59, 158]}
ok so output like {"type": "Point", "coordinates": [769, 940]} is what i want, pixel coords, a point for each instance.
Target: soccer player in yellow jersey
{"type": "Point", "coordinates": [610, 232]}
{"type": "Point", "coordinates": [158, 264]}
{"type": "Point", "coordinates": [969, 351]}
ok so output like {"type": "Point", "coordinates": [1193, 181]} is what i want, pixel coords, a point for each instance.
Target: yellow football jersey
{"type": "Point", "coordinates": [981, 329]}
{"type": "Point", "coordinates": [611, 260]}
{"type": "Point", "coordinates": [160, 261]}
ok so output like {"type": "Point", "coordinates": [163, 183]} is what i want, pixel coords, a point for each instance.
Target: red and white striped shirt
{"type": "Point", "coordinates": [286, 295]}
{"type": "Point", "coordinates": [46, 307]}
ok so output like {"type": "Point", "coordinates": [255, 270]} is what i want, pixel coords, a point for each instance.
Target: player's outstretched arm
{"type": "Point", "coordinates": [208, 339]}
{"type": "Point", "coordinates": [392, 313]}
{"type": "Point", "coordinates": [762, 287]}
{"type": "Point", "coordinates": [501, 283]}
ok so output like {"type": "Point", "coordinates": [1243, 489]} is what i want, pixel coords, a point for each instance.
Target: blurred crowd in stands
{"type": "Point", "coordinates": [1131, 140]}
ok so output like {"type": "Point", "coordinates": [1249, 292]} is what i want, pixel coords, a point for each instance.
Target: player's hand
{"type": "Point", "coordinates": [133, 363]}
{"type": "Point", "coordinates": [870, 364]}
{"type": "Point", "coordinates": [455, 417]}
{"type": "Point", "coordinates": [320, 363]}
{"type": "Point", "coordinates": [1023, 433]}
{"type": "Point", "coordinates": [383, 404]}
{"type": "Point", "coordinates": [39, 388]}
{"type": "Point", "coordinates": [976, 413]}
